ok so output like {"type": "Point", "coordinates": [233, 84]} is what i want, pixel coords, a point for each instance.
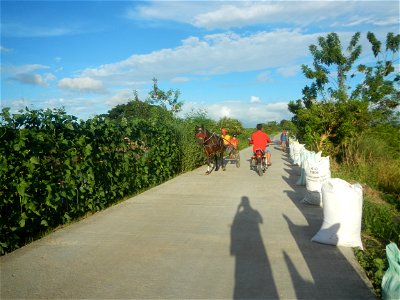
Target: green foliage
{"type": "Point", "coordinates": [191, 153]}
{"type": "Point", "coordinates": [200, 117]}
{"type": "Point", "coordinates": [168, 100]}
{"type": "Point", "coordinates": [359, 127]}
{"type": "Point", "coordinates": [373, 261]}
{"type": "Point", "coordinates": [231, 125]}
{"type": "Point", "coordinates": [136, 109]}
{"type": "Point", "coordinates": [341, 114]}
{"type": "Point", "coordinates": [54, 169]}
{"type": "Point", "coordinates": [371, 158]}
{"type": "Point", "coordinates": [381, 225]}
{"type": "Point", "coordinates": [271, 127]}
{"type": "Point", "coordinates": [329, 59]}
{"type": "Point", "coordinates": [375, 156]}
{"type": "Point", "coordinates": [289, 126]}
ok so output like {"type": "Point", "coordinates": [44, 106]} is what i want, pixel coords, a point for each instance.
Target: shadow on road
{"type": "Point", "coordinates": [253, 275]}
{"type": "Point", "coordinates": [328, 266]}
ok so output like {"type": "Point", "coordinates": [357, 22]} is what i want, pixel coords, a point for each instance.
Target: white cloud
{"type": "Point", "coordinates": [236, 14]}
{"type": "Point", "coordinates": [121, 97]}
{"type": "Point", "coordinates": [264, 77]}
{"type": "Point", "coordinates": [85, 84]}
{"type": "Point", "coordinates": [249, 114]}
{"type": "Point", "coordinates": [255, 99]}
{"type": "Point", "coordinates": [387, 21]}
{"type": "Point", "coordinates": [12, 70]}
{"type": "Point", "coordinates": [4, 49]}
{"type": "Point", "coordinates": [33, 78]}
{"type": "Point", "coordinates": [181, 11]}
{"type": "Point", "coordinates": [214, 54]}
{"type": "Point", "coordinates": [180, 79]}
{"type": "Point", "coordinates": [289, 71]}
{"type": "Point", "coordinates": [16, 104]}
{"type": "Point", "coordinates": [22, 30]}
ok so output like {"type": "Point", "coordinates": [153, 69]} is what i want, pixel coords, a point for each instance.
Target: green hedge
{"type": "Point", "coordinates": [54, 169]}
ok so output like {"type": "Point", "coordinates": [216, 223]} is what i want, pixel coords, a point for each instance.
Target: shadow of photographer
{"type": "Point", "coordinates": [253, 275]}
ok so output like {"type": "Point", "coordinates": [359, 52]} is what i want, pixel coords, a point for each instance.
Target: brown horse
{"type": "Point", "coordinates": [213, 146]}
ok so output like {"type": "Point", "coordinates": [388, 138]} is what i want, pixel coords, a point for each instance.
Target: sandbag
{"type": "Point", "coordinates": [292, 145]}
{"type": "Point", "coordinates": [316, 173]}
{"type": "Point", "coordinates": [297, 148]}
{"type": "Point", "coordinates": [391, 279]}
{"type": "Point", "coordinates": [305, 157]}
{"type": "Point", "coordinates": [342, 209]}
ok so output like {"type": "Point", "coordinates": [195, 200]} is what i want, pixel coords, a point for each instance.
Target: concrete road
{"type": "Point", "coordinates": [227, 235]}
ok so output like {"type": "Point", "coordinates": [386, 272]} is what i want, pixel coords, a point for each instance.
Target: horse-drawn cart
{"type": "Point", "coordinates": [233, 158]}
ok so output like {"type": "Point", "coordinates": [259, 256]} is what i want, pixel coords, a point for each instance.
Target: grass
{"type": "Point", "coordinates": [371, 162]}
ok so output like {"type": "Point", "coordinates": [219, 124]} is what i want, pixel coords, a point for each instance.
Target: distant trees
{"type": "Point", "coordinates": [159, 105]}
{"type": "Point", "coordinates": [231, 125]}
{"type": "Point", "coordinates": [136, 109]}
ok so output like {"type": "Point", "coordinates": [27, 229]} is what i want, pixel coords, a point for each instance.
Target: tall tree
{"type": "Point", "coordinates": [166, 99]}
{"type": "Point", "coordinates": [331, 67]}
{"type": "Point", "coordinates": [232, 125]}
{"type": "Point", "coordinates": [330, 111]}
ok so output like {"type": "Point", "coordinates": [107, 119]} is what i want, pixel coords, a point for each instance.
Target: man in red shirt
{"type": "Point", "coordinates": [260, 140]}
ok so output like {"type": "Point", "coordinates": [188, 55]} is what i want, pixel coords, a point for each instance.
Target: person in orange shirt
{"type": "Point", "coordinates": [234, 144]}
{"type": "Point", "coordinates": [234, 141]}
{"type": "Point", "coordinates": [260, 140]}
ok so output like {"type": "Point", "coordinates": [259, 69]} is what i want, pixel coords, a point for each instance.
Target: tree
{"type": "Point", "coordinates": [271, 127]}
{"type": "Point", "coordinates": [199, 117]}
{"type": "Point", "coordinates": [136, 109]}
{"type": "Point", "coordinates": [231, 125]}
{"type": "Point", "coordinates": [167, 100]}
{"type": "Point", "coordinates": [379, 87]}
{"type": "Point", "coordinates": [159, 105]}
{"type": "Point", "coordinates": [288, 125]}
{"type": "Point", "coordinates": [330, 112]}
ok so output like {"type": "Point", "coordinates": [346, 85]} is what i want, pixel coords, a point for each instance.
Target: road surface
{"type": "Point", "coordinates": [228, 235]}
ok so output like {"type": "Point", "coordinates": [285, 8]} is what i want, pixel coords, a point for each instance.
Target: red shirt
{"type": "Point", "coordinates": [260, 140]}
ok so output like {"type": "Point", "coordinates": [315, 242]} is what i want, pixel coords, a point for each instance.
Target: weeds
{"type": "Point", "coordinates": [373, 161]}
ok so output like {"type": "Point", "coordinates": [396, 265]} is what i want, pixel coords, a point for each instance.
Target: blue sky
{"type": "Point", "coordinates": [239, 59]}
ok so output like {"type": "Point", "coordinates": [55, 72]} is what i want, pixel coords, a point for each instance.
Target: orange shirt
{"type": "Point", "coordinates": [260, 140]}
{"type": "Point", "coordinates": [234, 142]}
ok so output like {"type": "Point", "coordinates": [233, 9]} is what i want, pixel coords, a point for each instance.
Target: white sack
{"type": "Point", "coordinates": [297, 148]}
{"type": "Point", "coordinates": [305, 157]}
{"type": "Point", "coordinates": [342, 208]}
{"type": "Point", "coordinates": [316, 173]}
{"type": "Point", "coordinates": [292, 145]}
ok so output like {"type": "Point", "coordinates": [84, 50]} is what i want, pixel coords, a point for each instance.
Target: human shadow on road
{"type": "Point", "coordinates": [253, 275]}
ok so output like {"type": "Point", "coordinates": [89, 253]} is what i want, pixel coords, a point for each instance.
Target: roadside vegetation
{"type": "Point", "coordinates": [350, 112]}
{"type": "Point", "coordinates": [55, 169]}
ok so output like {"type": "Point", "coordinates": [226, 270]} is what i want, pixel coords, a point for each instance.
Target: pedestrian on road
{"type": "Point", "coordinates": [283, 139]}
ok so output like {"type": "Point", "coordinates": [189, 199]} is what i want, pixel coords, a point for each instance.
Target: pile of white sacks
{"type": "Point", "coordinates": [340, 200]}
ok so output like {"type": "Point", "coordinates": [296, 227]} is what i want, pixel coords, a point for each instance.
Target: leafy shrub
{"type": "Point", "coordinates": [54, 169]}
{"type": "Point", "coordinates": [380, 226]}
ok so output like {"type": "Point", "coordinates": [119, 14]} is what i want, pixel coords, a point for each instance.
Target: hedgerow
{"type": "Point", "coordinates": [54, 168]}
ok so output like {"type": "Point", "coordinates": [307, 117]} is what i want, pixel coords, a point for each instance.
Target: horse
{"type": "Point", "coordinates": [213, 146]}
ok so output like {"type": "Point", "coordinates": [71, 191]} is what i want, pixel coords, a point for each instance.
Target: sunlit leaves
{"type": "Point", "coordinates": [359, 106]}
{"type": "Point", "coordinates": [54, 169]}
